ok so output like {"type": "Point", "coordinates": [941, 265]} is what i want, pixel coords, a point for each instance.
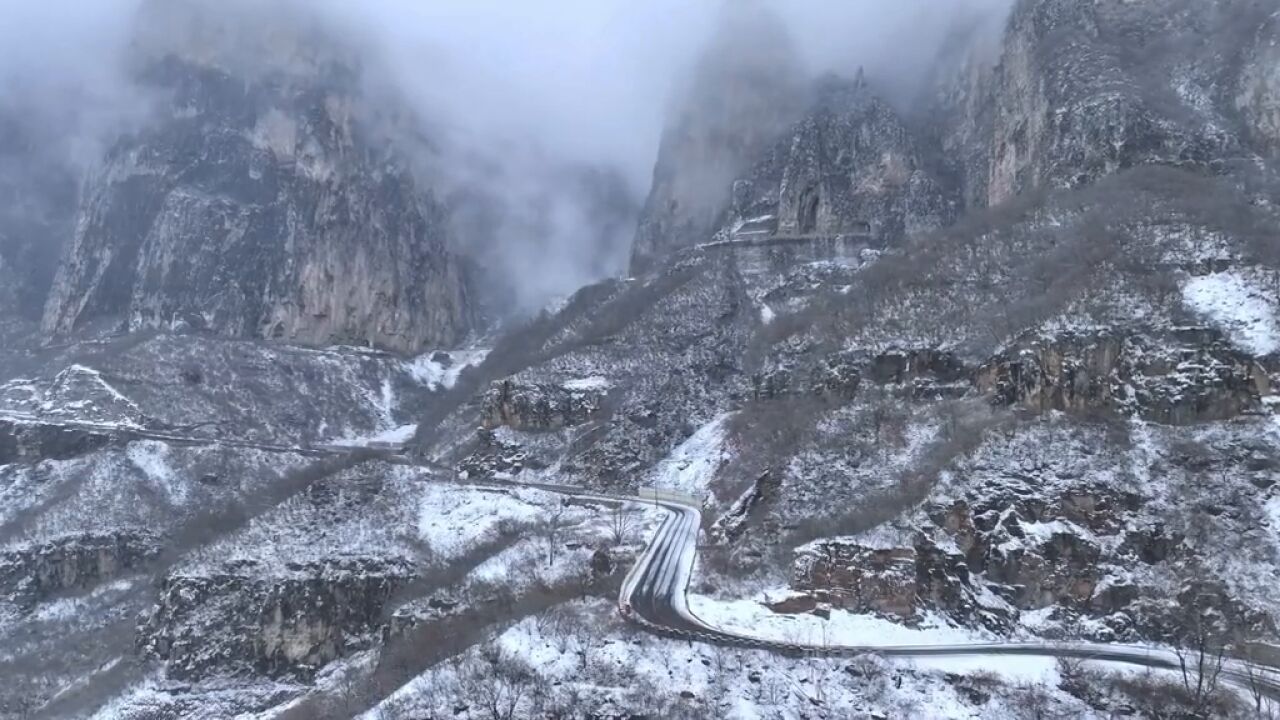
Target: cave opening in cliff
{"type": "Point", "coordinates": [809, 211]}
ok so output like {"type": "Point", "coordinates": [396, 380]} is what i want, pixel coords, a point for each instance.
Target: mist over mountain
{"type": "Point", "coordinates": [743, 359]}
{"type": "Point", "coordinates": [489, 100]}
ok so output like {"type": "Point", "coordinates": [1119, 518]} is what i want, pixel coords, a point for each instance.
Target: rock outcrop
{"type": "Point", "coordinates": [543, 407]}
{"type": "Point", "coordinates": [239, 623]}
{"type": "Point", "coordinates": [1259, 91]}
{"type": "Point", "coordinates": [259, 204]}
{"type": "Point", "coordinates": [1082, 90]}
{"type": "Point", "coordinates": [917, 371]}
{"type": "Point", "coordinates": [30, 574]}
{"type": "Point", "coordinates": [31, 442]}
{"type": "Point", "coordinates": [1190, 378]}
{"type": "Point", "coordinates": [747, 89]}
{"type": "Point", "coordinates": [850, 167]}
{"type": "Point", "coordinates": [861, 579]}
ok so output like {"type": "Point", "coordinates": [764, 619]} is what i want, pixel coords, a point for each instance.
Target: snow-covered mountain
{"type": "Point", "coordinates": [996, 364]}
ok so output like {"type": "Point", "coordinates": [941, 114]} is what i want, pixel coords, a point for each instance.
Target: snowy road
{"type": "Point", "coordinates": [654, 593]}
{"type": "Point", "coordinates": [654, 596]}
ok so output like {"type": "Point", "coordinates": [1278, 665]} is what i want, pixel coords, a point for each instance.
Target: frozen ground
{"type": "Point", "coordinates": [580, 658]}
{"type": "Point", "coordinates": [1241, 303]}
{"type": "Point", "coordinates": [694, 463]}
{"type": "Point", "coordinates": [440, 371]}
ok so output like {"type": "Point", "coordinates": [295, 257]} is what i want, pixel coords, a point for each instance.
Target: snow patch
{"type": "Point", "coordinates": [692, 465]}
{"type": "Point", "coordinates": [440, 371]}
{"type": "Point", "coordinates": [1240, 306]}
{"type": "Point", "coordinates": [752, 619]}
{"type": "Point", "coordinates": [394, 436]}
{"type": "Point", "coordinates": [67, 609]}
{"type": "Point", "coordinates": [884, 537]}
{"type": "Point", "coordinates": [587, 384]}
{"type": "Point", "coordinates": [153, 459]}
{"type": "Point", "coordinates": [767, 314]}
{"type": "Point", "coordinates": [452, 520]}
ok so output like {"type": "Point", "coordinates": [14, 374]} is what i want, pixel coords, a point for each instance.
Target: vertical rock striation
{"type": "Point", "coordinates": [259, 204]}
{"type": "Point", "coordinates": [747, 89]}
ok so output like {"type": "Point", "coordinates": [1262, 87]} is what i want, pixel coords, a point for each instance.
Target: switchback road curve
{"type": "Point", "coordinates": [654, 596]}
{"type": "Point", "coordinates": [654, 593]}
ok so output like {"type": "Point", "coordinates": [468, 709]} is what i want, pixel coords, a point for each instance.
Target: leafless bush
{"type": "Point", "coordinates": [1158, 698]}
{"type": "Point", "coordinates": [496, 683]}
{"type": "Point", "coordinates": [963, 430]}
{"type": "Point", "coordinates": [1264, 706]}
{"type": "Point", "coordinates": [622, 524]}
{"type": "Point", "coordinates": [1035, 701]}
{"type": "Point", "coordinates": [551, 529]}
{"type": "Point", "coordinates": [768, 433]}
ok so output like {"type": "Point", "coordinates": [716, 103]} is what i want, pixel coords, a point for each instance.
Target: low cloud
{"type": "Point", "coordinates": [520, 97]}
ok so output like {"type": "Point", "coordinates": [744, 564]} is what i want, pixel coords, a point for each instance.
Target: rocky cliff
{"type": "Point", "coordinates": [1004, 362]}
{"type": "Point", "coordinates": [1077, 91]}
{"type": "Point", "coordinates": [850, 167]}
{"type": "Point", "coordinates": [257, 203]}
{"type": "Point", "coordinates": [746, 90]}
{"type": "Point", "coordinates": [38, 190]}
{"type": "Point", "coordinates": [1259, 88]}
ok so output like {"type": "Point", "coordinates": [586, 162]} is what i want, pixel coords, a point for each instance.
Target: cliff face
{"type": "Point", "coordinates": [850, 167]}
{"type": "Point", "coordinates": [1065, 94]}
{"type": "Point", "coordinates": [746, 91]}
{"type": "Point", "coordinates": [1077, 91]}
{"type": "Point", "coordinates": [37, 207]}
{"type": "Point", "coordinates": [1259, 88]}
{"type": "Point", "coordinates": [258, 205]}
{"type": "Point", "coordinates": [1006, 358]}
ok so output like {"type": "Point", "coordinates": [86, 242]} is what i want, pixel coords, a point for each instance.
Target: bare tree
{"type": "Point", "coordinates": [552, 529]}
{"type": "Point", "coordinates": [1200, 656]}
{"type": "Point", "coordinates": [588, 634]}
{"type": "Point", "coordinates": [1033, 701]}
{"type": "Point", "coordinates": [622, 523]}
{"type": "Point", "coordinates": [1265, 707]}
{"type": "Point", "coordinates": [498, 684]}
{"type": "Point", "coordinates": [349, 696]}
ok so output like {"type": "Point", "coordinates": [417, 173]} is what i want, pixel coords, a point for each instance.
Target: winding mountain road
{"type": "Point", "coordinates": [654, 596]}
{"type": "Point", "coordinates": [654, 593]}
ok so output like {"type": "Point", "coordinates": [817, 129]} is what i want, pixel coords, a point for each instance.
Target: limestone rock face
{"type": "Point", "coordinates": [238, 624]}
{"type": "Point", "coordinates": [1082, 90]}
{"type": "Point", "coordinates": [259, 205]}
{"type": "Point", "coordinates": [32, 573]}
{"type": "Point", "coordinates": [850, 167]}
{"type": "Point", "coordinates": [747, 90]}
{"type": "Point", "coordinates": [881, 581]}
{"type": "Point", "coordinates": [1179, 383]}
{"type": "Point", "coordinates": [1259, 93]}
{"type": "Point", "coordinates": [541, 407]}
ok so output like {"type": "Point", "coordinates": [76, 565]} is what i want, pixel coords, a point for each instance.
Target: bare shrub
{"type": "Point", "coordinates": [622, 524]}
{"type": "Point", "coordinates": [498, 684]}
{"type": "Point", "coordinates": [963, 429]}
{"type": "Point", "coordinates": [1035, 701]}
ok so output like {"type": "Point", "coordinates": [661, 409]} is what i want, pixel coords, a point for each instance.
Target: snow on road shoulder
{"type": "Point", "coordinates": [749, 618]}
{"type": "Point", "coordinates": [694, 463]}
{"type": "Point", "coordinates": [753, 619]}
{"type": "Point", "coordinates": [394, 436]}
{"type": "Point", "coordinates": [1239, 304]}
{"type": "Point", "coordinates": [579, 652]}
